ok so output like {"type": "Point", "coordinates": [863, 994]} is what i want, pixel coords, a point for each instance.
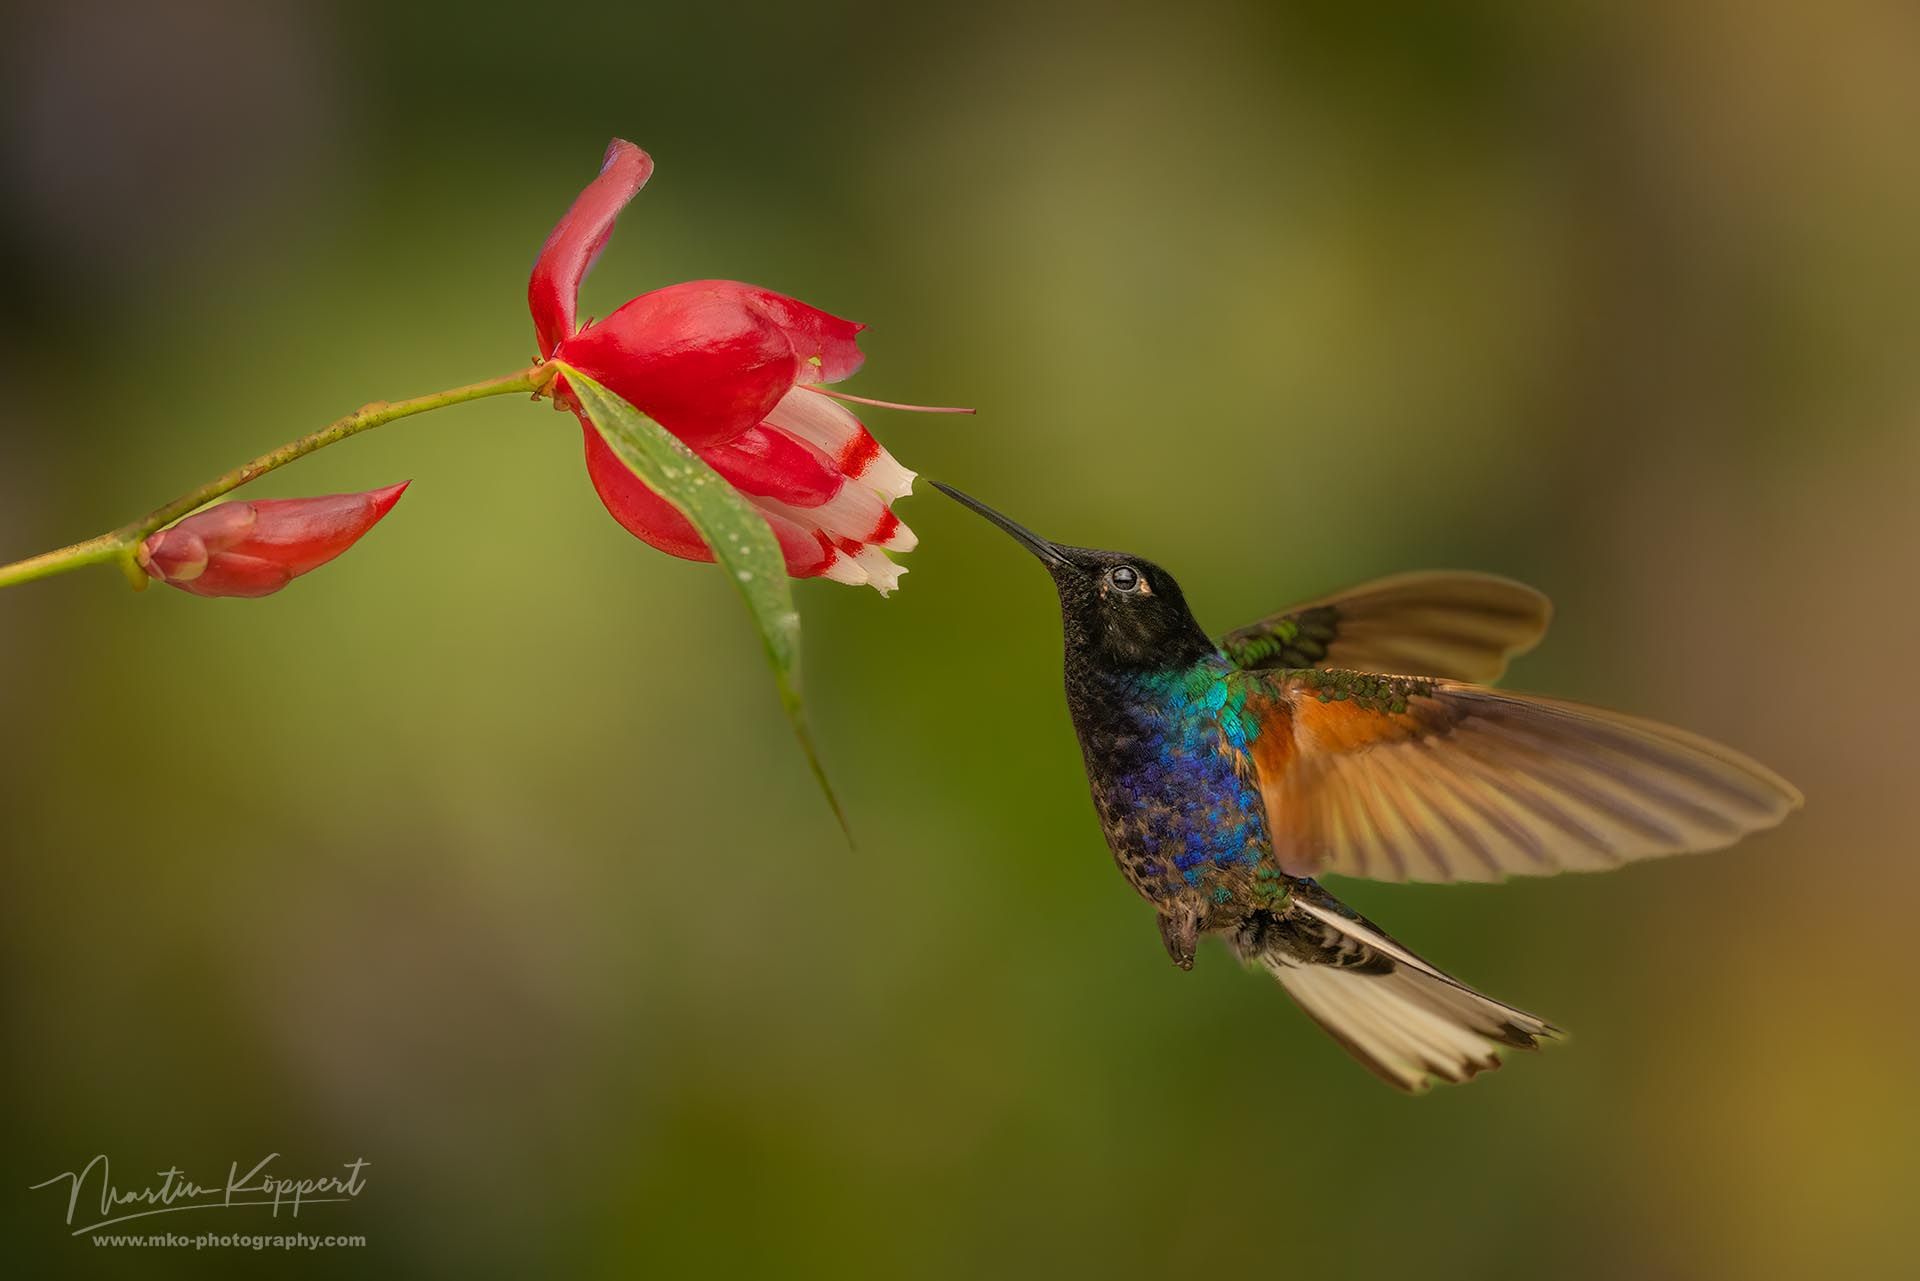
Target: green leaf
{"type": "Point", "coordinates": [741, 541]}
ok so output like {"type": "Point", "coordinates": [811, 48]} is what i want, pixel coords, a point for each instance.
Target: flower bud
{"type": "Point", "coordinates": [256, 548]}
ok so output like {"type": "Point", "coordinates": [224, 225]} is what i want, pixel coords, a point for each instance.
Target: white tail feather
{"type": "Point", "coordinates": [1402, 1018]}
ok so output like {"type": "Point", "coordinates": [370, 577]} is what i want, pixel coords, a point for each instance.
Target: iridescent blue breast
{"type": "Point", "coordinates": [1182, 821]}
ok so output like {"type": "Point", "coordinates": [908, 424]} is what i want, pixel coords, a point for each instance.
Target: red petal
{"type": "Point", "coordinates": [659, 524]}
{"type": "Point", "coordinates": [827, 345]}
{"type": "Point", "coordinates": [698, 358]}
{"type": "Point", "coordinates": [305, 533]}
{"type": "Point", "coordinates": [578, 238]}
{"type": "Point", "coordinates": [243, 576]}
{"type": "Point", "coordinates": [174, 555]}
{"type": "Point", "coordinates": [218, 528]}
{"type": "Point", "coordinates": [643, 513]}
{"type": "Point", "coordinates": [768, 463]}
{"type": "Point", "coordinates": [807, 554]}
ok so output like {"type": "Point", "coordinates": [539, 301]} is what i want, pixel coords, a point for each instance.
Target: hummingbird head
{"type": "Point", "coordinates": [1117, 609]}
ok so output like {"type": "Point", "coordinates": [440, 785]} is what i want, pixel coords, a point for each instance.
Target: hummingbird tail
{"type": "Point", "coordinates": [1405, 1020]}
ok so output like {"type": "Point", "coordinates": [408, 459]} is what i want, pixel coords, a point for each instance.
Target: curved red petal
{"type": "Point", "coordinates": [248, 577]}
{"type": "Point", "coordinates": [173, 555]}
{"type": "Point", "coordinates": [698, 358]}
{"type": "Point", "coordinates": [768, 463]}
{"type": "Point", "coordinates": [828, 347]}
{"type": "Point", "coordinates": [305, 533]}
{"type": "Point", "coordinates": [218, 527]}
{"type": "Point", "coordinates": [808, 555]}
{"type": "Point", "coordinates": [641, 512]}
{"type": "Point", "coordinates": [659, 524]}
{"type": "Point", "coordinates": [578, 238]}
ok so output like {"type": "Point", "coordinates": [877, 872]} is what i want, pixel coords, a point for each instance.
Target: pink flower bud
{"type": "Point", "coordinates": [255, 549]}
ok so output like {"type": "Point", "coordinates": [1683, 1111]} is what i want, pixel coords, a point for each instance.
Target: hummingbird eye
{"type": "Point", "coordinates": [1124, 578]}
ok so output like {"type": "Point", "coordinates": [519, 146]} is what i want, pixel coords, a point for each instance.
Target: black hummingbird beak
{"type": "Point", "coordinates": [1039, 546]}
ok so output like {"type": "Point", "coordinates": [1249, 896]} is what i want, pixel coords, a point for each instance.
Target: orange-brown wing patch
{"type": "Point", "coordinates": [1270, 752]}
{"type": "Point", "coordinates": [1401, 778]}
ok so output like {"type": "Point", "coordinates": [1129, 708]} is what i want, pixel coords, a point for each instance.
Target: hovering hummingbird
{"type": "Point", "coordinates": [1356, 735]}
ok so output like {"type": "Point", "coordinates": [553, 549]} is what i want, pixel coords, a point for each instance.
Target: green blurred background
{"type": "Point", "coordinates": [485, 855]}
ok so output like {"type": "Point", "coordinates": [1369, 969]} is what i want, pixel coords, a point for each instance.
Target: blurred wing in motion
{"type": "Point", "coordinates": [1405, 779]}
{"type": "Point", "coordinates": [1447, 623]}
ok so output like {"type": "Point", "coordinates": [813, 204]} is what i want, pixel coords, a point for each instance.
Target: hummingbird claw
{"type": "Point", "coordinates": [1180, 931]}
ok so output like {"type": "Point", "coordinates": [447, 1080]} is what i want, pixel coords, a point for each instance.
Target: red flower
{"type": "Point", "coordinates": [735, 372]}
{"type": "Point", "coordinates": [255, 549]}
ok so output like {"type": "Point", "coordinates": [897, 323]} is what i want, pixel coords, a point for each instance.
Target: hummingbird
{"type": "Point", "coordinates": [1357, 735]}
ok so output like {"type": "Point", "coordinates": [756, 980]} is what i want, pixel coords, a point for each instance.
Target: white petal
{"type": "Point", "coordinates": [885, 474]}
{"type": "Point", "coordinates": [818, 419]}
{"type": "Point", "coordinates": [846, 569]}
{"type": "Point", "coordinates": [882, 573]}
{"type": "Point", "coordinates": [855, 514]}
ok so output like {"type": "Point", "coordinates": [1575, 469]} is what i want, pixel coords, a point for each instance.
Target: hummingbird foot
{"type": "Point", "coordinates": [1180, 931]}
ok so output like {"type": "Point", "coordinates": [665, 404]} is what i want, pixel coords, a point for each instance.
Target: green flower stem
{"type": "Point", "coordinates": [120, 545]}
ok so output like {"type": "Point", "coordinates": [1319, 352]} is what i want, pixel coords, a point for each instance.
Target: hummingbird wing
{"type": "Point", "coordinates": [1451, 623]}
{"type": "Point", "coordinates": [1409, 779]}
